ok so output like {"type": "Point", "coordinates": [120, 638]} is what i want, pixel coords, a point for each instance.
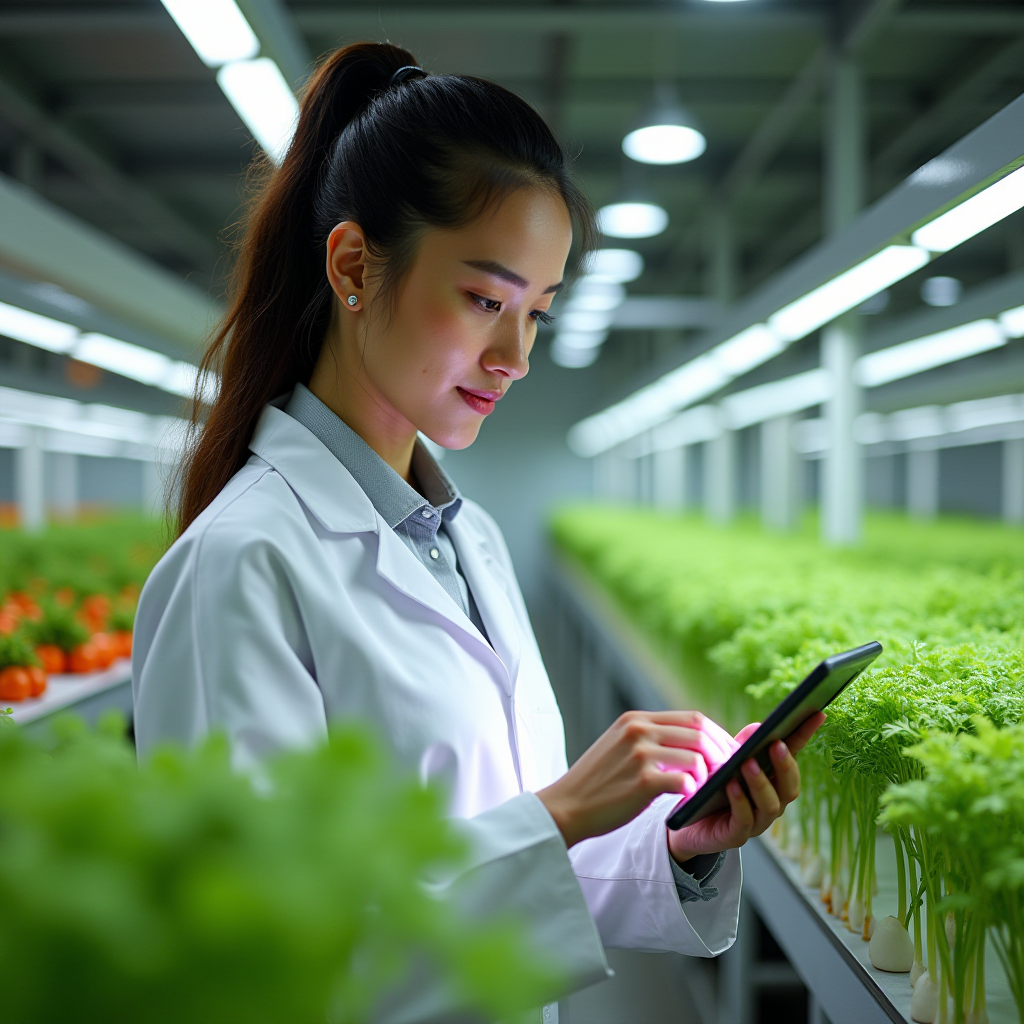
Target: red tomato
{"type": "Point", "coordinates": [54, 660]}
{"type": "Point", "coordinates": [106, 649]}
{"type": "Point", "coordinates": [37, 681]}
{"type": "Point", "coordinates": [96, 611]}
{"type": "Point", "coordinates": [84, 658]}
{"type": "Point", "coordinates": [15, 683]}
{"type": "Point", "coordinates": [8, 623]}
{"type": "Point", "coordinates": [123, 640]}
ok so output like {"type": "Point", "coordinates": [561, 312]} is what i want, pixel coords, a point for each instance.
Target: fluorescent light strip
{"type": "Point", "coordinates": [651, 405]}
{"type": "Point", "coordinates": [216, 29]}
{"type": "Point", "coordinates": [121, 357]}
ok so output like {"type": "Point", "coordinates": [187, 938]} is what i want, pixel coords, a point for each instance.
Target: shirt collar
{"type": "Point", "coordinates": [393, 498]}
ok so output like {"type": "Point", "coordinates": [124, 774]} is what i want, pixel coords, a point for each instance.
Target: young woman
{"type": "Point", "coordinates": [390, 282]}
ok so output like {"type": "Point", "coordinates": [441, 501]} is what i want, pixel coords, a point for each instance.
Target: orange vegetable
{"type": "Point", "coordinates": [15, 683]}
{"type": "Point", "coordinates": [53, 659]}
{"type": "Point", "coordinates": [123, 639]}
{"type": "Point", "coordinates": [37, 681]}
{"type": "Point", "coordinates": [96, 611]}
{"type": "Point", "coordinates": [106, 649]}
{"type": "Point", "coordinates": [8, 622]}
{"type": "Point", "coordinates": [84, 658]}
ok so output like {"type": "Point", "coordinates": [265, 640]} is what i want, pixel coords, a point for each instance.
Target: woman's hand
{"type": "Point", "coordinates": [732, 828]}
{"type": "Point", "coordinates": [642, 755]}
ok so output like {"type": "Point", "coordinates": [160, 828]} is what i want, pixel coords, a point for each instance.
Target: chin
{"type": "Point", "coordinates": [454, 438]}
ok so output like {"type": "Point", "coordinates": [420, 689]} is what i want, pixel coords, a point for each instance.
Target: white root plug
{"type": "Point", "coordinates": [924, 1006]}
{"type": "Point", "coordinates": [838, 901]}
{"type": "Point", "coordinates": [855, 915]}
{"type": "Point", "coordinates": [826, 888]}
{"type": "Point", "coordinates": [916, 972]}
{"type": "Point", "coordinates": [891, 947]}
{"type": "Point", "coordinates": [813, 870]}
{"type": "Point", "coordinates": [951, 930]}
{"type": "Point", "coordinates": [867, 933]}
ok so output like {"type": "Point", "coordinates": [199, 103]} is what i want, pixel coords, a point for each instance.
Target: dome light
{"type": "Point", "coordinates": [632, 220]}
{"type": "Point", "coordinates": [664, 144]}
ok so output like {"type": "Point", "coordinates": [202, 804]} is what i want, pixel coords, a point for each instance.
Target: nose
{"type": "Point", "coordinates": [508, 353]}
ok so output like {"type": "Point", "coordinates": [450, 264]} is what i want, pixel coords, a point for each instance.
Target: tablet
{"type": "Point", "coordinates": [815, 693]}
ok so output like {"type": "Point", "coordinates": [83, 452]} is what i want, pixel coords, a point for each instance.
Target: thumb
{"type": "Point", "coordinates": [747, 731]}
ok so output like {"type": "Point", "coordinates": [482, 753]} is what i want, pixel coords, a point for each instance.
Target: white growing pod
{"type": "Point", "coordinates": [891, 948]}
{"type": "Point", "coordinates": [951, 930]}
{"type": "Point", "coordinates": [924, 1006]}
{"type": "Point", "coordinates": [826, 888]}
{"type": "Point", "coordinates": [855, 915]}
{"type": "Point", "coordinates": [812, 871]}
{"type": "Point", "coordinates": [916, 972]}
{"type": "Point", "coordinates": [838, 899]}
{"type": "Point", "coordinates": [868, 931]}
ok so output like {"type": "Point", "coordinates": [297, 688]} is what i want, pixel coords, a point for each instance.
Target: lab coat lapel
{"type": "Point", "coordinates": [485, 578]}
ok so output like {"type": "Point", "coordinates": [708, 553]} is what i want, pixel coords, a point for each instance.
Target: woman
{"type": "Point", "coordinates": [390, 283]}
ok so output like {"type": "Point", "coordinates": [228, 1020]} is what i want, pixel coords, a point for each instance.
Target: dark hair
{"type": "Point", "coordinates": [394, 153]}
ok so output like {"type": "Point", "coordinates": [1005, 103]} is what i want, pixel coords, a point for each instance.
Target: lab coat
{"type": "Point", "coordinates": [289, 602]}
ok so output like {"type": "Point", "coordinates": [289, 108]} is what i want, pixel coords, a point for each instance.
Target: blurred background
{"type": "Point", "coordinates": [731, 148]}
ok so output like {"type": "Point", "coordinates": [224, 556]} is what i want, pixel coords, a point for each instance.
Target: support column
{"type": "Point", "coordinates": [30, 483]}
{"type": "Point", "coordinates": [720, 477]}
{"type": "Point", "coordinates": [1013, 480]}
{"type": "Point", "coordinates": [64, 484]}
{"type": "Point", "coordinates": [670, 479]}
{"type": "Point", "coordinates": [842, 500]}
{"type": "Point", "coordinates": [923, 483]}
{"type": "Point", "coordinates": [721, 255]}
{"type": "Point", "coordinates": [780, 475]}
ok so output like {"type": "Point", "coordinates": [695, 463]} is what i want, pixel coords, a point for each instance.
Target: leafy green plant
{"type": "Point", "coordinates": [58, 627]}
{"type": "Point", "coordinates": [15, 650]}
{"type": "Point", "coordinates": [182, 891]}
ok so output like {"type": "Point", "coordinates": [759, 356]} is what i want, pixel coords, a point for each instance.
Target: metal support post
{"type": "Point", "coordinates": [736, 988]}
{"type": "Point", "coordinates": [30, 483]}
{"type": "Point", "coordinates": [721, 256]}
{"type": "Point", "coordinates": [720, 477]}
{"type": "Point", "coordinates": [1013, 480]}
{"type": "Point", "coordinates": [780, 475]}
{"type": "Point", "coordinates": [670, 479]}
{"type": "Point", "coordinates": [923, 483]}
{"type": "Point", "coordinates": [645, 479]}
{"type": "Point", "coordinates": [842, 484]}
{"type": "Point", "coordinates": [64, 484]}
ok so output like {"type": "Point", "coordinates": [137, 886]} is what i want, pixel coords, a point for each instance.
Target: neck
{"type": "Point", "coordinates": [343, 386]}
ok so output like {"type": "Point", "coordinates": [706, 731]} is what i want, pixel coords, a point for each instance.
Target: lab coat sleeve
{"type": "Point", "coordinates": [627, 880]}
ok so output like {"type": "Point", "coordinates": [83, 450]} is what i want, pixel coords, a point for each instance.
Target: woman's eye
{"type": "Point", "coordinates": [491, 305]}
{"type": "Point", "coordinates": [542, 316]}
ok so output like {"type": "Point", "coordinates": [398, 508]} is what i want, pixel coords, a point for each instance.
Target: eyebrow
{"type": "Point", "coordinates": [498, 270]}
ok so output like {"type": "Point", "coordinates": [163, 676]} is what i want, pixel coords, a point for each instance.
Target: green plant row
{"type": "Point", "coordinates": [179, 890]}
{"type": "Point", "coordinates": [743, 616]}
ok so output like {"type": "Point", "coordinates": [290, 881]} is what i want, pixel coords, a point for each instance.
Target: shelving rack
{"type": "Point", "coordinates": [87, 696]}
{"type": "Point", "coordinates": [602, 666]}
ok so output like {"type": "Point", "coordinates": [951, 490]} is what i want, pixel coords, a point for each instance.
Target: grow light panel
{"type": "Point", "coordinates": [842, 293]}
{"type": "Point", "coordinates": [632, 220]}
{"type": "Point", "coordinates": [617, 266]}
{"type": "Point", "coordinates": [37, 330]}
{"type": "Point", "coordinates": [216, 29]}
{"type": "Point", "coordinates": [926, 353]}
{"type": "Point", "coordinates": [596, 296]}
{"type": "Point", "coordinates": [749, 348]}
{"type": "Point", "coordinates": [121, 357]}
{"type": "Point", "coordinates": [264, 101]}
{"type": "Point", "coordinates": [571, 356]}
{"type": "Point", "coordinates": [1012, 322]}
{"type": "Point", "coordinates": [973, 215]}
{"type": "Point", "coordinates": [779, 398]}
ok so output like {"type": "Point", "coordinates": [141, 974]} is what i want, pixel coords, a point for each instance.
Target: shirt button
{"type": "Point", "coordinates": [434, 553]}
{"type": "Point", "coordinates": [427, 514]}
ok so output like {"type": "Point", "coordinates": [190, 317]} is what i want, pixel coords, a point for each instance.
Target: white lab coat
{"type": "Point", "coordinates": [289, 602]}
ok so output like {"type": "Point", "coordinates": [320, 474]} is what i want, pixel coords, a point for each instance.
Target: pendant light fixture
{"type": "Point", "coordinates": [668, 134]}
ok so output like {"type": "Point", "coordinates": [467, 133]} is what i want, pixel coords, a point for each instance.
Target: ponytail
{"type": "Point", "coordinates": [392, 152]}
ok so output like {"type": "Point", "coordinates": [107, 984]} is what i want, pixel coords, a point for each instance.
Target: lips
{"type": "Point", "coordinates": [479, 400]}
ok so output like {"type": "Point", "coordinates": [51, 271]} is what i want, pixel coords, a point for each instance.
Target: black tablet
{"type": "Point", "coordinates": [815, 693]}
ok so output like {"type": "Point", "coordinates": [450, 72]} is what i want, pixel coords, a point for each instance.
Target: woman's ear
{"type": "Point", "coordinates": [346, 270]}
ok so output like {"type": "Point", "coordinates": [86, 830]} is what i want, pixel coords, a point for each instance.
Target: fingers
{"type": "Point", "coordinates": [798, 739]}
{"type": "Point", "coordinates": [766, 800]}
{"type": "Point", "coordinates": [787, 773]}
{"type": "Point", "coordinates": [746, 732]}
{"type": "Point", "coordinates": [690, 739]}
{"type": "Point", "coordinates": [690, 761]}
{"type": "Point", "coordinates": [700, 722]}
{"type": "Point", "coordinates": [742, 813]}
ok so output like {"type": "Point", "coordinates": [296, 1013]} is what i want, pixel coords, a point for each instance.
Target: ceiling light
{"type": "Point", "coordinates": [779, 398]}
{"type": "Point", "coordinates": [632, 220]}
{"type": "Point", "coordinates": [1012, 322]}
{"type": "Point", "coordinates": [217, 30]}
{"type": "Point", "coordinates": [573, 358]}
{"type": "Point", "coordinates": [850, 289]}
{"type": "Point", "coordinates": [264, 101]}
{"type": "Point", "coordinates": [141, 364]}
{"type": "Point", "coordinates": [973, 215]}
{"type": "Point", "coordinates": [941, 291]}
{"type": "Point", "coordinates": [926, 353]}
{"type": "Point", "coordinates": [585, 320]}
{"type": "Point", "coordinates": [34, 329]}
{"type": "Point", "coordinates": [581, 339]}
{"type": "Point", "coordinates": [664, 144]}
{"type": "Point", "coordinates": [618, 266]}
{"type": "Point", "coordinates": [596, 295]}
{"type": "Point", "coordinates": [749, 348]}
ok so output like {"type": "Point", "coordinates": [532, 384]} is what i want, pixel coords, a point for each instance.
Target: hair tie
{"type": "Point", "coordinates": [403, 74]}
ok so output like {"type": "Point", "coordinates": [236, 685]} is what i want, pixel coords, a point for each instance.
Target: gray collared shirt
{"type": "Point", "coordinates": [419, 519]}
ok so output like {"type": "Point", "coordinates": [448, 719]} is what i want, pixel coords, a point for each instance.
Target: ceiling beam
{"type": "Point", "coordinates": [44, 242]}
{"type": "Point", "coordinates": [172, 230]}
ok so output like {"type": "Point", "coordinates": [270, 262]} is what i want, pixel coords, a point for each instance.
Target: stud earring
{"type": "Point", "coordinates": [352, 300]}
